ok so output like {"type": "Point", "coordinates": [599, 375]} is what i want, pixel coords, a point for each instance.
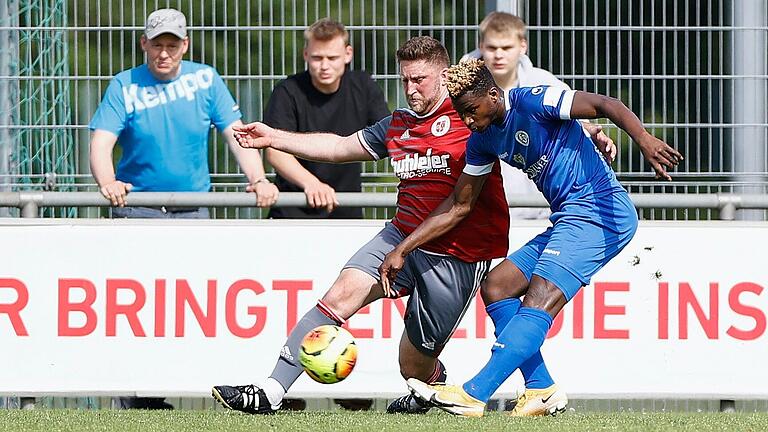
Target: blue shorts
{"type": "Point", "coordinates": [582, 239]}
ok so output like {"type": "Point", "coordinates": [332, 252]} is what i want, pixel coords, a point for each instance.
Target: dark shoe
{"type": "Point", "coordinates": [247, 398]}
{"type": "Point", "coordinates": [355, 404]}
{"type": "Point", "coordinates": [408, 404]}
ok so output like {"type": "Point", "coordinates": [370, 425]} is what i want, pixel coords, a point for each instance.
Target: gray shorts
{"type": "Point", "coordinates": [440, 288]}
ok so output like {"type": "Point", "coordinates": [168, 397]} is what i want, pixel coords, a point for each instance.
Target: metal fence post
{"type": "Point", "coordinates": [515, 7]}
{"type": "Point", "coordinates": [749, 99]}
{"type": "Point", "coordinates": [29, 206]}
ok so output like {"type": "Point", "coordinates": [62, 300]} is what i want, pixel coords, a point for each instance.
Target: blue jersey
{"type": "Point", "coordinates": [539, 137]}
{"type": "Point", "coordinates": [163, 126]}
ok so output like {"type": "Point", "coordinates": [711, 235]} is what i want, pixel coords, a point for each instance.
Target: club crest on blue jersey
{"type": "Point", "coordinates": [522, 138]}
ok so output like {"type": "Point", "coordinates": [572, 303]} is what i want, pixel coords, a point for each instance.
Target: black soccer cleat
{"type": "Point", "coordinates": [408, 404]}
{"type": "Point", "coordinates": [246, 398]}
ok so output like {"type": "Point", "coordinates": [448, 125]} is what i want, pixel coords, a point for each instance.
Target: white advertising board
{"type": "Point", "coordinates": [156, 308]}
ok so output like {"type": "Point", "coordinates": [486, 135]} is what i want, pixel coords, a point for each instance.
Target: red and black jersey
{"type": "Point", "coordinates": [427, 155]}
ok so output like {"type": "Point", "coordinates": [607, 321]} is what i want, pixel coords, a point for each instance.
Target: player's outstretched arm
{"type": "Point", "coordinates": [442, 219]}
{"type": "Point", "coordinates": [323, 147]}
{"type": "Point", "coordinates": [658, 153]}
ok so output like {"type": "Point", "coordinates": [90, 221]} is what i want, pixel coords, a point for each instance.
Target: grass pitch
{"type": "Point", "coordinates": [147, 421]}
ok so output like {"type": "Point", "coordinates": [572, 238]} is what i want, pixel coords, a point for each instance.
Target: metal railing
{"type": "Point", "coordinates": [30, 203]}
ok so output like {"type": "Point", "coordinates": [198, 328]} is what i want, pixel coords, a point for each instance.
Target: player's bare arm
{"type": "Point", "coordinates": [658, 153]}
{"type": "Point", "coordinates": [442, 219]}
{"type": "Point", "coordinates": [323, 147]}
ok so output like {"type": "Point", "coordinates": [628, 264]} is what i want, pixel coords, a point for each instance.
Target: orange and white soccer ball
{"type": "Point", "coordinates": [328, 354]}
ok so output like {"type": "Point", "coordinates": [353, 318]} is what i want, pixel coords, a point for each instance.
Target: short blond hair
{"type": "Point", "coordinates": [326, 29]}
{"type": "Point", "coordinates": [504, 23]}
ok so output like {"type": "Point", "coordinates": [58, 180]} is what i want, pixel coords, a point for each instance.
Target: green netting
{"type": "Point", "coordinates": [45, 151]}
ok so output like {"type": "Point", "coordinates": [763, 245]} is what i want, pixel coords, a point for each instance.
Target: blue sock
{"type": "Point", "coordinates": [501, 312]}
{"type": "Point", "coordinates": [520, 339]}
{"type": "Point", "coordinates": [534, 370]}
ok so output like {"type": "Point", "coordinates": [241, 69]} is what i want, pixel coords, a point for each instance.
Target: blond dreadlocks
{"type": "Point", "coordinates": [469, 76]}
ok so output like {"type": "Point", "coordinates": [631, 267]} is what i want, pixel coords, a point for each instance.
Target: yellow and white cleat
{"type": "Point", "coordinates": [540, 402]}
{"type": "Point", "coordinates": [449, 398]}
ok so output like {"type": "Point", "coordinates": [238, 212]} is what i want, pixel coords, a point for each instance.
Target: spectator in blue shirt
{"type": "Point", "coordinates": [161, 113]}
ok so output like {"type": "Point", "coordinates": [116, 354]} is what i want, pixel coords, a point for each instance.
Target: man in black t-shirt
{"type": "Point", "coordinates": [327, 97]}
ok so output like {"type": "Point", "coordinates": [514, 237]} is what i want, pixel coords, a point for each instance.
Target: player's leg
{"type": "Point", "coordinates": [520, 339]}
{"type": "Point", "coordinates": [502, 291]}
{"type": "Point", "coordinates": [356, 286]}
{"type": "Point", "coordinates": [352, 290]}
{"type": "Point", "coordinates": [416, 364]}
{"type": "Point", "coordinates": [445, 287]}
{"type": "Point", "coordinates": [561, 271]}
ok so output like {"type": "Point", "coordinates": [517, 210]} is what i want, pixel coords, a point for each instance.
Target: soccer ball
{"type": "Point", "coordinates": [328, 354]}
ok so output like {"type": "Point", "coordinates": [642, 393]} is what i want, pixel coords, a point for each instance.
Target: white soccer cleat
{"type": "Point", "coordinates": [540, 402]}
{"type": "Point", "coordinates": [449, 398]}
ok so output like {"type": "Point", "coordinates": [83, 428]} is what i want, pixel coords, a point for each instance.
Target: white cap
{"type": "Point", "coordinates": [164, 21]}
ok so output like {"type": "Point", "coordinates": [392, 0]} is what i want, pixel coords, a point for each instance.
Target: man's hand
{"type": "Point", "coordinates": [388, 270]}
{"type": "Point", "coordinates": [320, 194]}
{"type": "Point", "coordinates": [602, 141]}
{"type": "Point", "coordinates": [660, 155]}
{"type": "Point", "coordinates": [253, 135]}
{"type": "Point", "coordinates": [115, 191]}
{"type": "Point", "coordinates": [266, 192]}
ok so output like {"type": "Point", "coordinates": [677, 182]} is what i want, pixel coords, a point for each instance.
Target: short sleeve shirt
{"type": "Point", "coordinates": [163, 126]}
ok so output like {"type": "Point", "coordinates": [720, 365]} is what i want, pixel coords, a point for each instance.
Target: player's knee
{"type": "Point", "coordinates": [342, 298]}
{"type": "Point", "coordinates": [495, 288]}
{"type": "Point", "coordinates": [335, 299]}
{"type": "Point", "coordinates": [545, 295]}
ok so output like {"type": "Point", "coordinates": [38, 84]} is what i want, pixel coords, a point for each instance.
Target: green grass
{"type": "Point", "coordinates": [147, 421]}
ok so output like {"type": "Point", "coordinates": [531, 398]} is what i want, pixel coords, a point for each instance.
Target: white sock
{"type": "Point", "coordinates": [274, 391]}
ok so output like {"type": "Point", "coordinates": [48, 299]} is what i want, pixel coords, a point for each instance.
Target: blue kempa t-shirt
{"type": "Point", "coordinates": [163, 126]}
{"type": "Point", "coordinates": [539, 137]}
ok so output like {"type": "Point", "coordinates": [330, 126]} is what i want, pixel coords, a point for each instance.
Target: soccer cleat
{"type": "Point", "coordinates": [449, 398]}
{"type": "Point", "coordinates": [540, 402]}
{"type": "Point", "coordinates": [408, 404]}
{"type": "Point", "coordinates": [247, 398]}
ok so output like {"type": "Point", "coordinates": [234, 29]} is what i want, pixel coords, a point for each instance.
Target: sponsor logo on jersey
{"type": "Point", "coordinates": [522, 138]}
{"type": "Point", "coordinates": [551, 252]}
{"type": "Point", "coordinates": [416, 165]}
{"type": "Point", "coordinates": [141, 98]}
{"type": "Point", "coordinates": [406, 135]}
{"type": "Point", "coordinates": [441, 126]}
{"type": "Point", "coordinates": [504, 155]}
{"type": "Point", "coordinates": [534, 170]}
{"type": "Point", "coordinates": [536, 90]}
{"type": "Point", "coordinates": [519, 159]}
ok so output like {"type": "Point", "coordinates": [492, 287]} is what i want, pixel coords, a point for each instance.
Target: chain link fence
{"type": "Point", "coordinates": [695, 72]}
